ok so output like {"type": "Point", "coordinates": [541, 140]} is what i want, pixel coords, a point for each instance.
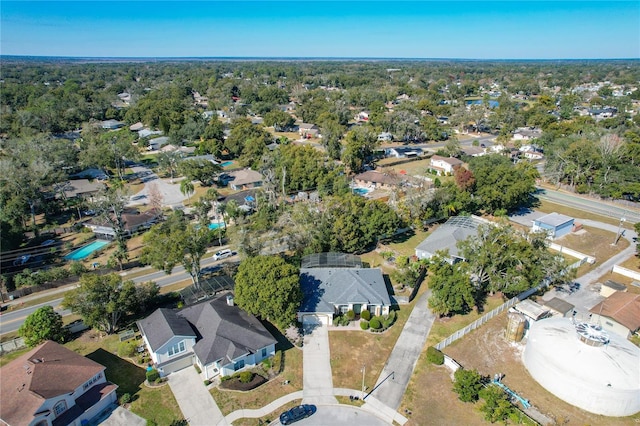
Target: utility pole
{"type": "Point", "coordinates": [619, 233]}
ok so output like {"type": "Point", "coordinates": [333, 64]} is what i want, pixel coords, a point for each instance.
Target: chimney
{"type": "Point", "coordinates": [230, 300]}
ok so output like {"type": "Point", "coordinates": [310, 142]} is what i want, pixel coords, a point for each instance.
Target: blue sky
{"type": "Point", "coordinates": [378, 29]}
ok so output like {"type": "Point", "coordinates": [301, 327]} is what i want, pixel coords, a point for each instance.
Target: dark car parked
{"type": "Point", "coordinates": [297, 413]}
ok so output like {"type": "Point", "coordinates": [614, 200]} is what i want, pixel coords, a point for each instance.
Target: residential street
{"type": "Point", "coordinates": [11, 321]}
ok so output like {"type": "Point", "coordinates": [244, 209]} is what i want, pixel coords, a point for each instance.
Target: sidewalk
{"type": "Point", "coordinates": [395, 375]}
{"type": "Point", "coordinates": [263, 411]}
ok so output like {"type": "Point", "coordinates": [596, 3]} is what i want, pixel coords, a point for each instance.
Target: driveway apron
{"type": "Point", "coordinates": [396, 373]}
{"type": "Point", "coordinates": [318, 384]}
{"type": "Point", "coordinates": [195, 401]}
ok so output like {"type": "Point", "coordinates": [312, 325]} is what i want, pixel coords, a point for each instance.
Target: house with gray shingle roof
{"type": "Point", "coordinates": [332, 290]}
{"type": "Point", "coordinates": [216, 335]}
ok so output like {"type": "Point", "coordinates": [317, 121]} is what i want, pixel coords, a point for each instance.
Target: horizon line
{"type": "Point", "coordinates": [302, 58]}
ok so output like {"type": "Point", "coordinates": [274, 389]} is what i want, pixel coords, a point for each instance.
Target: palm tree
{"type": "Point", "coordinates": [186, 188]}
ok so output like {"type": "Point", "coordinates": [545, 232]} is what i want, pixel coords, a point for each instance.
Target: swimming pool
{"type": "Point", "coordinates": [85, 251]}
{"type": "Point", "coordinates": [226, 163]}
{"type": "Point", "coordinates": [361, 191]}
{"type": "Point", "coordinates": [216, 225]}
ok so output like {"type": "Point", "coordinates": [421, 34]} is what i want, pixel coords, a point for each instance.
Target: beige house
{"type": "Point", "coordinates": [244, 179]}
{"type": "Point", "coordinates": [376, 180]}
{"type": "Point", "coordinates": [618, 313]}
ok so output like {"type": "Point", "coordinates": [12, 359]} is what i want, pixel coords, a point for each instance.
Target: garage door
{"type": "Point", "coordinates": [315, 320]}
{"type": "Point", "coordinates": [177, 365]}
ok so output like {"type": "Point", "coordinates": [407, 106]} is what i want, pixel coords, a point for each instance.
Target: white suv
{"type": "Point", "coordinates": [222, 254]}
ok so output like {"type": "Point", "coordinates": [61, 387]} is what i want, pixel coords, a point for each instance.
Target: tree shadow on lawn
{"type": "Point", "coordinates": [283, 343]}
{"type": "Point", "coordinates": [127, 376]}
{"type": "Point", "coordinates": [399, 238]}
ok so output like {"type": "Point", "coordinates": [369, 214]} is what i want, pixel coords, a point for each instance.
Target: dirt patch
{"type": "Point", "coordinates": [594, 242]}
{"type": "Point", "coordinates": [499, 356]}
{"type": "Point", "coordinates": [430, 400]}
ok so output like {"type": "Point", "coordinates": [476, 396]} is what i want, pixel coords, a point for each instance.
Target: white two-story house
{"type": "Point", "coordinates": [444, 165]}
{"type": "Point", "coordinates": [53, 386]}
{"type": "Point", "coordinates": [216, 335]}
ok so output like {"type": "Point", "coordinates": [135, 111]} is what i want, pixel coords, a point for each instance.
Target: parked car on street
{"type": "Point", "coordinates": [297, 413]}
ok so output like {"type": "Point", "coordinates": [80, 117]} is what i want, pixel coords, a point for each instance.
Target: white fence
{"type": "Point", "coordinates": [12, 345]}
{"type": "Point", "coordinates": [626, 272]}
{"type": "Point", "coordinates": [477, 323]}
{"type": "Point", "coordinates": [572, 253]}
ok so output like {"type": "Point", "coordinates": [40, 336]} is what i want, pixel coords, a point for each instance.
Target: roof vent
{"type": "Point", "coordinates": [592, 334]}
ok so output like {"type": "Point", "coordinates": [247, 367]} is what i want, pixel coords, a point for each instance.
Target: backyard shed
{"type": "Point", "coordinates": [559, 307]}
{"type": "Point", "coordinates": [532, 309]}
{"type": "Point", "coordinates": [609, 287]}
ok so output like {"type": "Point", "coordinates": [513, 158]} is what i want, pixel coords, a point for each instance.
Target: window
{"type": "Point", "coordinates": [264, 352]}
{"type": "Point", "coordinates": [176, 349]}
{"type": "Point", "coordinates": [60, 408]}
{"type": "Point", "coordinates": [92, 381]}
{"type": "Point", "coordinates": [344, 309]}
{"type": "Point", "coordinates": [238, 365]}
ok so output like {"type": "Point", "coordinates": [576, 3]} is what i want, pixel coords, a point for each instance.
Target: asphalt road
{"type": "Point", "coordinates": [11, 321]}
{"type": "Point", "coordinates": [595, 206]}
{"type": "Point", "coordinates": [340, 415]}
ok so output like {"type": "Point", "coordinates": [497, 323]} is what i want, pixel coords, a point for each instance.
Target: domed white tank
{"type": "Point", "coordinates": [584, 366]}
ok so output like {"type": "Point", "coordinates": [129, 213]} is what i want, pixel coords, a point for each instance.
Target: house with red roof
{"type": "Point", "coordinates": [53, 386]}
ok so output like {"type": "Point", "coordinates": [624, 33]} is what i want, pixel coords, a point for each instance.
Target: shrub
{"type": "Point", "coordinates": [125, 398]}
{"type": "Point", "coordinates": [246, 376]}
{"type": "Point", "coordinates": [158, 381]}
{"type": "Point", "coordinates": [364, 325]}
{"type": "Point", "coordinates": [127, 349]}
{"type": "Point", "coordinates": [467, 385]}
{"type": "Point", "coordinates": [351, 315]}
{"type": "Point", "coordinates": [365, 315]}
{"type": "Point", "coordinates": [375, 323]}
{"type": "Point", "coordinates": [152, 375]}
{"type": "Point", "coordinates": [197, 368]}
{"type": "Point", "coordinates": [434, 356]}
{"type": "Point", "coordinates": [151, 423]}
{"type": "Point", "coordinates": [77, 268]}
{"type": "Point", "coordinates": [207, 382]}
{"type": "Point", "coordinates": [225, 378]}
{"type": "Point", "coordinates": [277, 361]}
{"type": "Point", "coordinates": [389, 320]}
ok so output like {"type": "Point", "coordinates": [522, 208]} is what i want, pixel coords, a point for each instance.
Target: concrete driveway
{"type": "Point", "coordinates": [395, 375]}
{"type": "Point", "coordinates": [120, 417]}
{"type": "Point", "coordinates": [195, 401]}
{"type": "Point", "coordinates": [316, 367]}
